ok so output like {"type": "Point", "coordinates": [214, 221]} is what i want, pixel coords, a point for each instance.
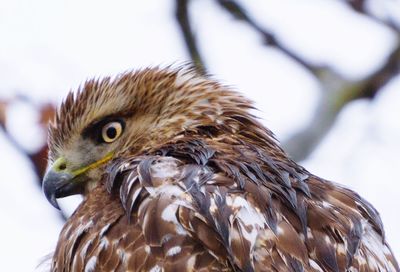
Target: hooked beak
{"type": "Point", "coordinates": [56, 185]}
{"type": "Point", "coordinates": [59, 181]}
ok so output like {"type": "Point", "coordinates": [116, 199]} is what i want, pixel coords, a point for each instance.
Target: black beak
{"type": "Point", "coordinates": [59, 184]}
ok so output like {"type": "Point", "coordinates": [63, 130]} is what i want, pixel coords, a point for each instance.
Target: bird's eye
{"type": "Point", "coordinates": [111, 131]}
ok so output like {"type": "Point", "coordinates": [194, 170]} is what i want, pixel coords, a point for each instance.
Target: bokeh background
{"type": "Point", "coordinates": [324, 75]}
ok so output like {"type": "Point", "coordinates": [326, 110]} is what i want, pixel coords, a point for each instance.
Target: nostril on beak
{"type": "Point", "coordinates": [59, 165]}
{"type": "Point", "coordinates": [62, 167]}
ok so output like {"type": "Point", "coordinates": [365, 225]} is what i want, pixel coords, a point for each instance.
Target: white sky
{"type": "Point", "coordinates": [48, 47]}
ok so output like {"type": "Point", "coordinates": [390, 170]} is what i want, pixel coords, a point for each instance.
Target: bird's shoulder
{"type": "Point", "coordinates": [197, 204]}
{"type": "Point", "coordinates": [253, 209]}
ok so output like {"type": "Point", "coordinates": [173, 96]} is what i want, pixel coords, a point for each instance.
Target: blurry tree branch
{"type": "Point", "coordinates": [239, 13]}
{"type": "Point", "coordinates": [37, 158]}
{"type": "Point", "coordinates": [336, 90]}
{"type": "Point", "coordinates": [337, 93]}
{"type": "Point", "coordinates": [182, 16]}
{"type": "Point", "coordinates": [360, 6]}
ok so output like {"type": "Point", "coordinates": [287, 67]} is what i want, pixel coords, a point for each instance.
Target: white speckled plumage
{"type": "Point", "coordinates": [198, 184]}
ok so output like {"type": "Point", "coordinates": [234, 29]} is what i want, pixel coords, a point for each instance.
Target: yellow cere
{"type": "Point", "coordinates": [59, 164]}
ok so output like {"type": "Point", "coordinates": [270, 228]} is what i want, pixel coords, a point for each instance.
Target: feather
{"type": "Point", "coordinates": [197, 183]}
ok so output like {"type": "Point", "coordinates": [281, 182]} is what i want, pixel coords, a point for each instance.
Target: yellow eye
{"type": "Point", "coordinates": [111, 132]}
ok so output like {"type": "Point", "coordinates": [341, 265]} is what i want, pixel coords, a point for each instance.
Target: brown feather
{"type": "Point", "coordinates": [198, 184]}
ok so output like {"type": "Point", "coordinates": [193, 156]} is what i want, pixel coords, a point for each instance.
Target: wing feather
{"type": "Point", "coordinates": [206, 207]}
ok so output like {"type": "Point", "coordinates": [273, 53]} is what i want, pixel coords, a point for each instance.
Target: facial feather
{"type": "Point", "coordinates": [160, 103]}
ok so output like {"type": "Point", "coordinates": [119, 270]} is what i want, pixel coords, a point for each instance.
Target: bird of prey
{"type": "Point", "coordinates": [178, 175]}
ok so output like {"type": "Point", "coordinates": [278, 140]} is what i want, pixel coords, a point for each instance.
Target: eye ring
{"type": "Point", "coordinates": [111, 132]}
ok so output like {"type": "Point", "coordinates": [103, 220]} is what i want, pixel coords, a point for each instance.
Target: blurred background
{"type": "Point", "coordinates": [324, 75]}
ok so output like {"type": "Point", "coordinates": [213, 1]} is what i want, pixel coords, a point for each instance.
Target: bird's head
{"type": "Point", "coordinates": [126, 115]}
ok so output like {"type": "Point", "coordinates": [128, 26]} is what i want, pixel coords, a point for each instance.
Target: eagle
{"type": "Point", "coordinates": [177, 174]}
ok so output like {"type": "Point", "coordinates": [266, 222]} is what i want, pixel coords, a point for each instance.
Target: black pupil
{"type": "Point", "coordinates": [111, 132]}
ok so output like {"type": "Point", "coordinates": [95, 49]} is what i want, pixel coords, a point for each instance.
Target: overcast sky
{"type": "Point", "coordinates": [49, 47]}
